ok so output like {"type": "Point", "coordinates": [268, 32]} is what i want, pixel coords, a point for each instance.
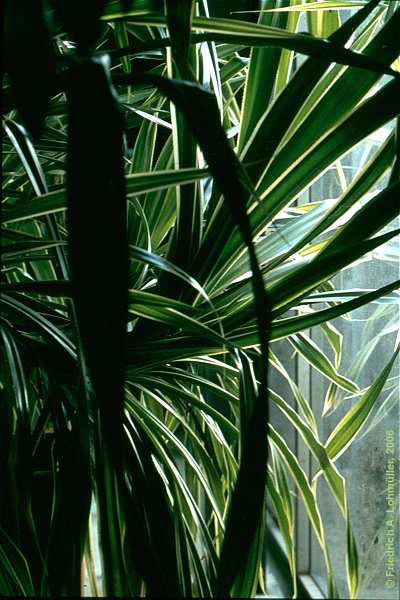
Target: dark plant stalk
{"type": "Point", "coordinates": [97, 251]}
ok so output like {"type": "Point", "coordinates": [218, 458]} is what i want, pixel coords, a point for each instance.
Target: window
{"type": "Point", "coordinates": [359, 345]}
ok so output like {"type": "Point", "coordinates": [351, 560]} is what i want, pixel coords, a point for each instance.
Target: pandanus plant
{"type": "Point", "coordinates": [153, 252]}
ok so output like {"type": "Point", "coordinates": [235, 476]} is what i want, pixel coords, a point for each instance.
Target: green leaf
{"type": "Point", "coordinates": [261, 75]}
{"type": "Point", "coordinates": [307, 277]}
{"type": "Point", "coordinates": [250, 34]}
{"type": "Point", "coordinates": [179, 17]}
{"type": "Point", "coordinates": [284, 327]}
{"type": "Point", "coordinates": [349, 426]}
{"type": "Point", "coordinates": [285, 527]}
{"type": "Point", "coordinates": [15, 578]}
{"type": "Point", "coordinates": [273, 124]}
{"type": "Point", "coordinates": [320, 361]}
{"type": "Point", "coordinates": [363, 121]}
{"type": "Point", "coordinates": [320, 6]}
{"type": "Point", "coordinates": [40, 323]}
{"type": "Point", "coordinates": [360, 185]}
{"type": "Point", "coordinates": [309, 500]}
{"type": "Point", "coordinates": [33, 169]}
{"type": "Point", "coordinates": [138, 183]}
{"type": "Point", "coordinates": [372, 217]}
